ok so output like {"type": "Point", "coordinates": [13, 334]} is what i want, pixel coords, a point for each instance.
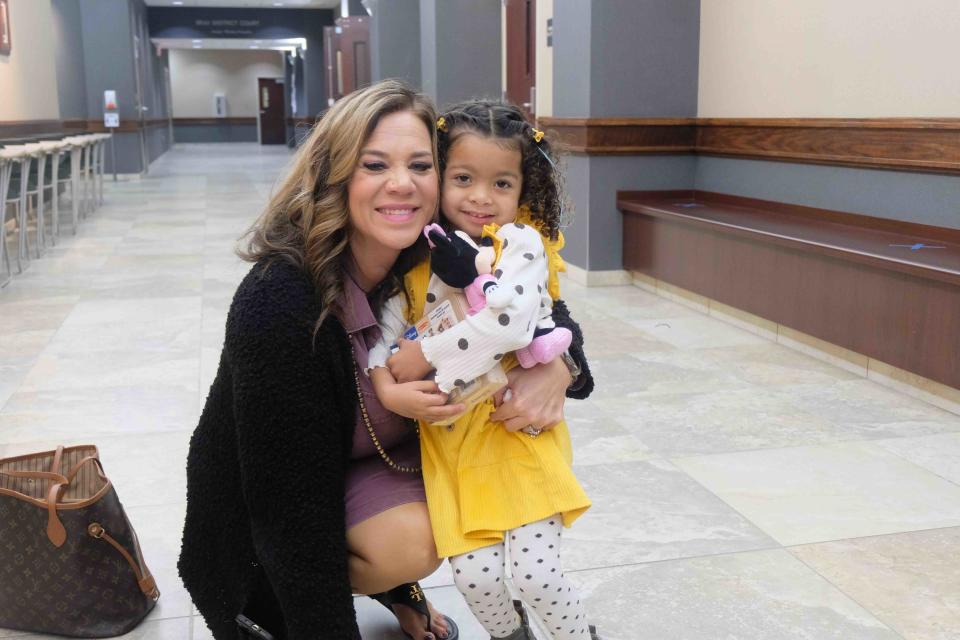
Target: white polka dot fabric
{"type": "Point", "coordinates": [535, 561]}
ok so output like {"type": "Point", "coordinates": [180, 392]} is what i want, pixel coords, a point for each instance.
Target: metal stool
{"type": "Point", "coordinates": [74, 145]}
{"type": "Point", "coordinates": [99, 164]}
{"type": "Point", "coordinates": [18, 159]}
{"type": "Point", "coordinates": [38, 160]}
{"type": "Point", "coordinates": [87, 173]}
{"type": "Point", "coordinates": [6, 170]}
{"type": "Point", "coordinates": [54, 150]}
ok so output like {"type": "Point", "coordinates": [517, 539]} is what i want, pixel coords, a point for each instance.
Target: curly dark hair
{"type": "Point", "coordinates": [541, 190]}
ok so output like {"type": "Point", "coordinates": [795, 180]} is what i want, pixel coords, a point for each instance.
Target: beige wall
{"type": "Point", "coordinates": [28, 76]}
{"type": "Point", "coordinates": [197, 74]}
{"type": "Point", "coordinates": [829, 58]}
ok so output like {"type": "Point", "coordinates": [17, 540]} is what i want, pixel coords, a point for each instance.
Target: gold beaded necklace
{"type": "Point", "coordinates": [366, 421]}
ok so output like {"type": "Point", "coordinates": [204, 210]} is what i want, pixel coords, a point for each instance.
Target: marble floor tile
{"type": "Point", "coordinates": [910, 581]}
{"type": "Point", "coordinates": [939, 454]}
{"type": "Point", "coordinates": [650, 511]}
{"type": "Point", "coordinates": [159, 529]}
{"type": "Point", "coordinates": [864, 402]}
{"type": "Point", "coordinates": [80, 414]}
{"type": "Point", "coordinates": [759, 595]}
{"type": "Point", "coordinates": [696, 332]}
{"type": "Point", "coordinates": [773, 365]}
{"type": "Point", "coordinates": [719, 421]}
{"type": "Point", "coordinates": [73, 370]}
{"type": "Point", "coordinates": [820, 493]}
{"type": "Point", "coordinates": [677, 371]}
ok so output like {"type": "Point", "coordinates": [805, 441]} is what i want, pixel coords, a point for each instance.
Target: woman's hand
{"type": "Point", "coordinates": [408, 364]}
{"type": "Point", "coordinates": [536, 396]}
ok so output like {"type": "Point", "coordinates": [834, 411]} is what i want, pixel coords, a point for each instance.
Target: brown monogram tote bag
{"type": "Point", "coordinates": [70, 563]}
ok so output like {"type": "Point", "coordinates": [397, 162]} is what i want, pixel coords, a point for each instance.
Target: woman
{"type": "Point", "coordinates": [292, 506]}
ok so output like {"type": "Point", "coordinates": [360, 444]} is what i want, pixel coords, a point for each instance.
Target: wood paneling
{"type": "Point", "coordinates": [819, 272]}
{"type": "Point", "coordinates": [28, 128]}
{"type": "Point", "coordinates": [913, 144]}
{"type": "Point", "coordinates": [213, 121]}
{"type": "Point", "coordinates": [22, 128]}
{"type": "Point", "coordinates": [622, 136]}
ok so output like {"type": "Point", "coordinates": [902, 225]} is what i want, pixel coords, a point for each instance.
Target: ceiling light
{"type": "Point", "coordinates": [278, 4]}
{"type": "Point", "coordinates": [198, 41]}
{"type": "Point", "coordinates": [178, 3]}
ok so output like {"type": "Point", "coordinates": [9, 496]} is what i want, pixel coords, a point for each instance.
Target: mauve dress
{"type": "Point", "coordinates": [372, 486]}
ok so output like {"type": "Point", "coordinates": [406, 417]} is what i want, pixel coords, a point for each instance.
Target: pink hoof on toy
{"type": "Point", "coordinates": [545, 348]}
{"type": "Point", "coordinates": [432, 227]}
{"type": "Point", "coordinates": [474, 292]}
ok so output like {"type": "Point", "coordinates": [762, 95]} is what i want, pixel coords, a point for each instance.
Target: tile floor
{"type": "Point", "coordinates": [742, 490]}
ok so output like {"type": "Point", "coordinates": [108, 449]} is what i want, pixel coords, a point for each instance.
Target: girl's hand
{"type": "Point", "coordinates": [408, 364]}
{"type": "Point", "coordinates": [420, 400]}
{"type": "Point", "coordinates": [536, 396]}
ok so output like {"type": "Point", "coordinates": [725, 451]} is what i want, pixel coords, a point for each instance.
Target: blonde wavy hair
{"type": "Point", "coordinates": [307, 220]}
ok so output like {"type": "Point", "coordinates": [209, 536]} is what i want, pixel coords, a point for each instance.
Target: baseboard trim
{"type": "Point", "coordinates": [915, 386]}
{"type": "Point", "coordinates": [587, 278]}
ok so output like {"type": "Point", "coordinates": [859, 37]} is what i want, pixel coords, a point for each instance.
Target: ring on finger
{"type": "Point", "coordinates": [532, 431]}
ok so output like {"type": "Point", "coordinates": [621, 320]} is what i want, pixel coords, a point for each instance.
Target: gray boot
{"type": "Point", "coordinates": [524, 632]}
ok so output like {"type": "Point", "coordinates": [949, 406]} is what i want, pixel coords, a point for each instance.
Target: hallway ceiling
{"type": "Point", "coordinates": [248, 4]}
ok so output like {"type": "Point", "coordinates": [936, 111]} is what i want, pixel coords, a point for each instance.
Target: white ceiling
{"type": "Point", "coordinates": [249, 4]}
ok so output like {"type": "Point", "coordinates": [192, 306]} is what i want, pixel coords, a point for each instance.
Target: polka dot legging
{"type": "Point", "coordinates": [535, 561]}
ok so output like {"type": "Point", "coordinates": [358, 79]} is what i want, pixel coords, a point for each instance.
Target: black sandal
{"type": "Point", "coordinates": [411, 595]}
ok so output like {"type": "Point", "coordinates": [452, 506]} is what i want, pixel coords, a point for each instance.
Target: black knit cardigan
{"type": "Point", "coordinates": [265, 530]}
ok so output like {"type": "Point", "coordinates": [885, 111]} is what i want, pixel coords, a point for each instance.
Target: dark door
{"type": "Point", "coordinates": [354, 54]}
{"type": "Point", "coordinates": [331, 47]}
{"type": "Point", "coordinates": [348, 55]}
{"type": "Point", "coordinates": [522, 54]}
{"type": "Point", "coordinates": [273, 129]}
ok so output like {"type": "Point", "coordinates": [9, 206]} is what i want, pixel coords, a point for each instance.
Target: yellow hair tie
{"type": "Point", "coordinates": [537, 135]}
{"type": "Point", "coordinates": [441, 124]}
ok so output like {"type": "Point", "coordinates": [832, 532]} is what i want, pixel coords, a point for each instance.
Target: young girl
{"type": "Point", "coordinates": [483, 482]}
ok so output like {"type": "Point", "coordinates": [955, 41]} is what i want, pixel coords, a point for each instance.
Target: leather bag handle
{"type": "Point", "coordinates": [56, 532]}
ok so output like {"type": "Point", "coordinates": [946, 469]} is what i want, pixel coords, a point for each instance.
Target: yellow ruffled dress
{"type": "Point", "coordinates": [482, 480]}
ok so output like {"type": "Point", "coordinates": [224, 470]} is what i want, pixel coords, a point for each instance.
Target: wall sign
{"type": "Point", "coordinates": [226, 28]}
{"type": "Point", "coordinates": [5, 40]}
{"type": "Point", "coordinates": [111, 119]}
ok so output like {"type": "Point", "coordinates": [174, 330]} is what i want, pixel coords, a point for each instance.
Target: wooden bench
{"type": "Point", "coordinates": [885, 289]}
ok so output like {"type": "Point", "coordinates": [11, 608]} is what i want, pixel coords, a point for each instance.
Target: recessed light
{"type": "Point", "coordinates": [178, 3]}
{"type": "Point", "coordinates": [278, 4]}
{"type": "Point", "coordinates": [197, 41]}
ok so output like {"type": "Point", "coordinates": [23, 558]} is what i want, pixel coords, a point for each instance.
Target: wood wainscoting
{"type": "Point", "coordinates": [844, 279]}
{"type": "Point", "coordinates": [908, 144]}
